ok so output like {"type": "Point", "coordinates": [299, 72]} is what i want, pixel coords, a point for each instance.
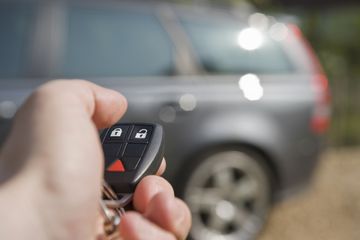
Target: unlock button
{"type": "Point", "coordinates": [141, 134]}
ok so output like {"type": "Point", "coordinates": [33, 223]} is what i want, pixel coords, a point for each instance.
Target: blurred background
{"type": "Point", "coordinates": [243, 88]}
{"type": "Point", "coordinates": [330, 208]}
{"type": "Point", "coordinates": [332, 28]}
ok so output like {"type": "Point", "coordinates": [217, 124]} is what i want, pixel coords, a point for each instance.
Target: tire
{"type": "Point", "coordinates": [229, 195]}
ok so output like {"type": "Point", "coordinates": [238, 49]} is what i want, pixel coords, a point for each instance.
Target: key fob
{"type": "Point", "coordinates": [132, 151]}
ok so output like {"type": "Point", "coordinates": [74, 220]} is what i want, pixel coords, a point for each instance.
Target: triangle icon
{"type": "Point", "coordinates": [116, 166]}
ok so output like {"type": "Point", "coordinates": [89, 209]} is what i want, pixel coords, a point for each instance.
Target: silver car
{"type": "Point", "coordinates": [241, 96]}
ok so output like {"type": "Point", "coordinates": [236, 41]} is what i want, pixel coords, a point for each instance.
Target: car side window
{"type": "Point", "coordinates": [108, 42]}
{"type": "Point", "coordinates": [216, 43]}
{"type": "Point", "coordinates": [16, 22]}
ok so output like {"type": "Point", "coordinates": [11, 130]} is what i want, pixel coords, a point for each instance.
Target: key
{"type": "Point", "coordinates": [111, 215]}
{"type": "Point", "coordinates": [132, 151]}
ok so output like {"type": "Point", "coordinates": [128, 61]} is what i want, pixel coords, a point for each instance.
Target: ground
{"type": "Point", "coordinates": [329, 209]}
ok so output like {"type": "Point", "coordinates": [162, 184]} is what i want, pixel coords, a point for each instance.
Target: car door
{"type": "Point", "coordinates": [17, 22]}
{"type": "Point", "coordinates": [120, 46]}
{"type": "Point", "coordinates": [126, 47]}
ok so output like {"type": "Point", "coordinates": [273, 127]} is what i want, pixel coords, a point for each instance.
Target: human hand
{"type": "Point", "coordinates": [55, 190]}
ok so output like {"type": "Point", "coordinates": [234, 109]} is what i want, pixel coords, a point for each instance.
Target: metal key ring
{"type": "Point", "coordinates": [111, 220]}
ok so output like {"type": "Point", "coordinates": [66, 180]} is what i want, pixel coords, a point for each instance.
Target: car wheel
{"type": "Point", "coordinates": [229, 194]}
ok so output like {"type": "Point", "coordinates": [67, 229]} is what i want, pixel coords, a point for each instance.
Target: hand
{"type": "Point", "coordinates": [56, 161]}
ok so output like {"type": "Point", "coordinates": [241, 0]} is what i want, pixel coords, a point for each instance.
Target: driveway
{"type": "Point", "coordinates": [329, 210]}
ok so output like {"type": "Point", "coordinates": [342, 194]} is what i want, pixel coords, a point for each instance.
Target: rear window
{"type": "Point", "coordinates": [105, 42]}
{"type": "Point", "coordinates": [16, 21]}
{"type": "Point", "coordinates": [216, 43]}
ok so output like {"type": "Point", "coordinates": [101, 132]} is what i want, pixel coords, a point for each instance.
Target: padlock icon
{"type": "Point", "coordinates": [116, 132]}
{"type": "Point", "coordinates": [141, 134]}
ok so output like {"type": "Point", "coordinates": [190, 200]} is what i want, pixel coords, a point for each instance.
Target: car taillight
{"type": "Point", "coordinates": [320, 120]}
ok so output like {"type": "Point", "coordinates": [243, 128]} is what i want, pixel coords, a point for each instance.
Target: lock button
{"type": "Point", "coordinates": [141, 133]}
{"type": "Point", "coordinates": [117, 133]}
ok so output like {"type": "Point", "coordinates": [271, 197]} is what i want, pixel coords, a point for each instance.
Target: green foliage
{"type": "Point", "coordinates": [335, 35]}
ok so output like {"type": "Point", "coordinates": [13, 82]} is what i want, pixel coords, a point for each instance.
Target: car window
{"type": "Point", "coordinates": [107, 42]}
{"type": "Point", "coordinates": [16, 21]}
{"type": "Point", "coordinates": [216, 43]}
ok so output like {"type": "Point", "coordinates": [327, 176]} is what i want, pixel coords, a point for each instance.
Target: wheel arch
{"type": "Point", "coordinates": [264, 157]}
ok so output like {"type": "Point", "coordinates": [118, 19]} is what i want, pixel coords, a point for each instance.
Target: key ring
{"type": "Point", "coordinates": [112, 211]}
{"type": "Point", "coordinates": [112, 201]}
{"type": "Point", "coordinates": [111, 219]}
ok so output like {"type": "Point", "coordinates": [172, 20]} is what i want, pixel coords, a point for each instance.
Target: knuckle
{"type": "Point", "coordinates": [59, 90]}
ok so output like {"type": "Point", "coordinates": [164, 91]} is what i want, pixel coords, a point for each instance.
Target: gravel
{"type": "Point", "coordinates": [329, 209]}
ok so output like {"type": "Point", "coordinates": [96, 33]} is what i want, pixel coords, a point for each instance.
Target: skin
{"type": "Point", "coordinates": [55, 157]}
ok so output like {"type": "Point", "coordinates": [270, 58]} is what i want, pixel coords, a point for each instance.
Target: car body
{"type": "Point", "coordinates": [189, 69]}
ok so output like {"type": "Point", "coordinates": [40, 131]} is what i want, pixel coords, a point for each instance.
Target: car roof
{"type": "Point", "coordinates": [201, 10]}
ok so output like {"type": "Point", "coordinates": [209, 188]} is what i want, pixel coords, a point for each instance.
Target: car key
{"type": "Point", "coordinates": [132, 151]}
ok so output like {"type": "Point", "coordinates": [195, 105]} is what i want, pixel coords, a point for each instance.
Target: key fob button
{"type": "Point", "coordinates": [116, 166]}
{"type": "Point", "coordinates": [117, 133]}
{"type": "Point", "coordinates": [111, 152]}
{"type": "Point", "coordinates": [141, 133]}
{"type": "Point", "coordinates": [134, 150]}
{"type": "Point", "coordinates": [131, 162]}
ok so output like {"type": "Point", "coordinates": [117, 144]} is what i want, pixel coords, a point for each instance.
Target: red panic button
{"type": "Point", "coordinates": [116, 166]}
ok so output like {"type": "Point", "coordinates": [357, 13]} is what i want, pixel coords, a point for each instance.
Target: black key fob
{"type": "Point", "coordinates": [132, 151]}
